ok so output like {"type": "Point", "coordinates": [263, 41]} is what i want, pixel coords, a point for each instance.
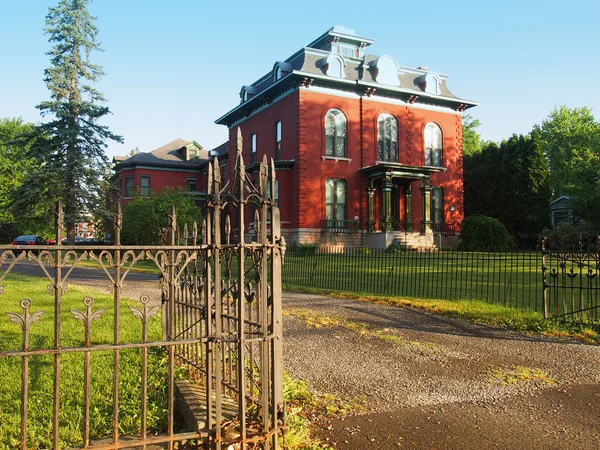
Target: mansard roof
{"type": "Point", "coordinates": [361, 73]}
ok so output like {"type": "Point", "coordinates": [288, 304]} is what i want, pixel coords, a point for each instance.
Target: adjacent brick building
{"type": "Point", "coordinates": [366, 151]}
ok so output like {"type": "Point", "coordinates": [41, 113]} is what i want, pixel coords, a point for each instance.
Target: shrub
{"type": "Point", "coordinates": [573, 237]}
{"type": "Point", "coordinates": [484, 234]}
{"type": "Point", "coordinates": [144, 219]}
{"type": "Point", "coordinates": [296, 249]}
{"type": "Point", "coordinates": [395, 247]}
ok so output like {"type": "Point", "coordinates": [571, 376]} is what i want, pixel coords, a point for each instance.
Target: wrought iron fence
{"type": "Point", "coordinates": [226, 331]}
{"type": "Point", "coordinates": [508, 278]}
{"type": "Point", "coordinates": [571, 283]}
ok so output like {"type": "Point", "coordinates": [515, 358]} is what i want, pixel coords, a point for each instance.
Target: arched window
{"type": "Point", "coordinates": [387, 128]}
{"type": "Point", "coordinates": [335, 133]}
{"type": "Point", "coordinates": [433, 145]}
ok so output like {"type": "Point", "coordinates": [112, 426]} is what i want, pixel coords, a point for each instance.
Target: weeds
{"type": "Point", "coordinates": [518, 376]}
{"type": "Point", "coordinates": [304, 408]}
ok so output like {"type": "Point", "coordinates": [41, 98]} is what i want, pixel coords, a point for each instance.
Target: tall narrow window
{"type": "Point", "coordinates": [253, 148]}
{"type": "Point", "coordinates": [335, 201]}
{"type": "Point", "coordinates": [388, 138]}
{"type": "Point", "coordinates": [145, 186]}
{"type": "Point", "coordinates": [335, 133]}
{"type": "Point", "coordinates": [276, 194]}
{"type": "Point", "coordinates": [437, 207]}
{"type": "Point", "coordinates": [128, 187]}
{"type": "Point", "coordinates": [278, 140]}
{"type": "Point", "coordinates": [433, 145]}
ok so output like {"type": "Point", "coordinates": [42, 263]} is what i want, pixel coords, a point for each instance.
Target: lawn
{"type": "Point", "coordinates": [510, 279]}
{"type": "Point", "coordinates": [41, 368]}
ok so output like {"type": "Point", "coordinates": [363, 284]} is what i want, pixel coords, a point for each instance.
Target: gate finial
{"type": "Point", "coordinates": [239, 141]}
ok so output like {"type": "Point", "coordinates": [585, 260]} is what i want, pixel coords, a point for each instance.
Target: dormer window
{"type": "Point", "coordinates": [247, 93]}
{"type": "Point", "coordinates": [333, 65]}
{"type": "Point", "coordinates": [386, 70]}
{"type": "Point", "coordinates": [432, 83]}
{"type": "Point", "coordinates": [281, 69]}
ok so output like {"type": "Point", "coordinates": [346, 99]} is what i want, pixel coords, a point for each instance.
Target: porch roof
{"type": "Point", "coordinates": [396, 170]}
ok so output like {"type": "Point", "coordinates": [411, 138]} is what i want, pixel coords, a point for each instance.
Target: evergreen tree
{"type": "Point", "coordinates": [71, 157]}
{"type": "Point", "coordinates": [509, 182]}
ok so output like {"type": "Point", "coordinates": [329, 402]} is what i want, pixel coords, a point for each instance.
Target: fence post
{"type": "Point", "coordinates": [545, 284]}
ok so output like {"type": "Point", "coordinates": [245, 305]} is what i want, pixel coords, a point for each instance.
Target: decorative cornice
{"type": "Point", "coordinates": [369, 91]}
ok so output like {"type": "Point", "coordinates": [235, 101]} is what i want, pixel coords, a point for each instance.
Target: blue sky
{"type": "Point", "coordinates": [174, 67]}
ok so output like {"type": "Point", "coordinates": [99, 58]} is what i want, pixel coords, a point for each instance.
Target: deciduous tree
{"type": "Point", "coordinates": [471, 140]}
{"type": "Point", "coordinates": [570, 140]}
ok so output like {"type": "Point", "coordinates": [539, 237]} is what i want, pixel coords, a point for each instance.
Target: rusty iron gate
{"type": "Point", "coordinates": [571, 283]}
{"type": "Point", "coordinates": [215, 362]}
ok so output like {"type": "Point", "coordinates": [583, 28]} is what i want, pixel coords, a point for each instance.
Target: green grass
{"type": "Point", "coordinates": [477, 311]}
{"type": "Point", "coordinates": [510, 279]}
{"type": "Point", "coordinates": [41, 368]}
{"type": "Point", "coordinates": [305, 409]}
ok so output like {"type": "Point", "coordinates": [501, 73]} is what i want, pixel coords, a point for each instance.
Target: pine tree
{"type": "Point", "coordinates": [71, 156]}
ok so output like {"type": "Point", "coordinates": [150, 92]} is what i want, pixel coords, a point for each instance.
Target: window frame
{"type": "Point", "coordinates": [253, 140]}
{"type": "Point", "coordinates": [433, 156]}
{"type": "Point", "coordinates": [332, 141]}
{"type": "Point", "coordinates": [333, 212]}
{"type": "Point", "coordinates": [389, 123]}
{"type": "Point", "coordinates": [129, 187]}
{"type": "Point", "coordinates": [278, 140]}
{"type": "Point", "coordinates": [436, 196]}
{"type": "Point", "coordinates": [189, 181]}
{"type": "Point", "coordinates": [142, 188]}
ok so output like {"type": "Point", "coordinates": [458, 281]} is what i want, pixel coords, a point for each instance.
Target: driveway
{"type": "Point", "coordinates": [433, 382]}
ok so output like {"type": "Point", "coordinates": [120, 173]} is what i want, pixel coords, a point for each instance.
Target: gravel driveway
{"type": "Point", "coordinates": [433, 382]}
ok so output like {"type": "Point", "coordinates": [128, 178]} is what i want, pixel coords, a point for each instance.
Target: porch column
{"type": "Point", "coordinates": [408, 209]}
{"type": "Point", "coordinates": [387, 204]}
{"type": "Point", "coordinates": [371, 205]}
{"type": "Point", "coordinates": [426, 220]}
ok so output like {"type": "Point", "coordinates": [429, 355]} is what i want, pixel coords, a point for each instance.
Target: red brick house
{"type": "Point", "coordinates": [177, 164]}
{"type": "Point", "coordinates": [366, 151]}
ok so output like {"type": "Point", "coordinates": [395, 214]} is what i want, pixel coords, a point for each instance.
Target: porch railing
{"type": "Point", "coordinates": [340, 226]}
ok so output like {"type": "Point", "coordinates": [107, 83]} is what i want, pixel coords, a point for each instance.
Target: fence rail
{"type": "Point", "coordinates": [507, 278]}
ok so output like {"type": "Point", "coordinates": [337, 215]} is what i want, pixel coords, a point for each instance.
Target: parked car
{"type": "Point", "coordinates": [28, 240]}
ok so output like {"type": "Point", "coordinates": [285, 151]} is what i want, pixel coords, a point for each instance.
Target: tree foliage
{"type": "Point", "coordinates": [509, 182]}
{"type": "Point", "coordinates": [70, 157]}
{"type": "Point", "coordinates": [144, 219]}
{"type": "Point", "coordinates": [471, 140]}
{"type": "Point", "coordinates": [570, 139]}
{"type": "Point", "coordinates": [15, 166]}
